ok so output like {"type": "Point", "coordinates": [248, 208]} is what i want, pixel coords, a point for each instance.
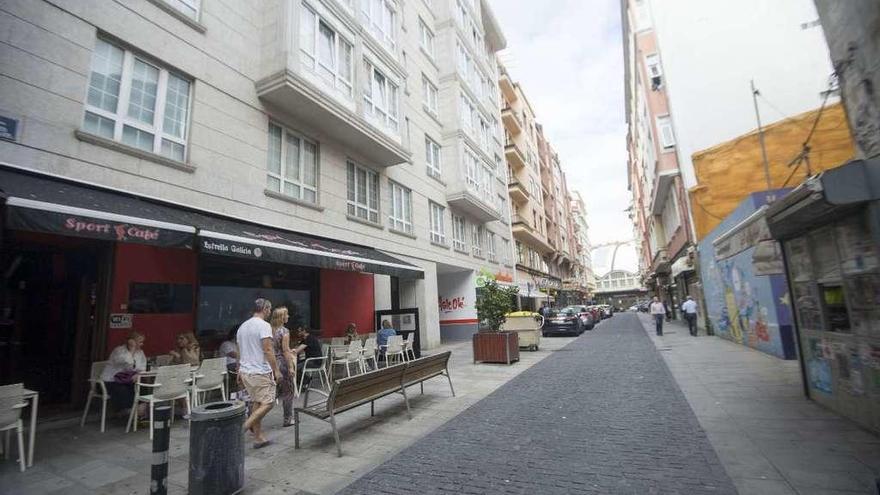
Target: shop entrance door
{"type": "Point", "coordinates": [50, 291]}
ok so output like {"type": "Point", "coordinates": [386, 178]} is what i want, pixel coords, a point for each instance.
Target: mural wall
{"type": "Point", "coordinates": [746, 292]}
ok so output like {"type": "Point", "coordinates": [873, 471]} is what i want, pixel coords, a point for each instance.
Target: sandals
{"type": "Point", "coordinates": [262, 444]}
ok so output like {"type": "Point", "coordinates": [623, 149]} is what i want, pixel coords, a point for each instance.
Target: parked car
{"type": "Point", "coordinates": [607, 311]}
{"type": "Point", "coordinates": [634, 308]}
{"type": "Point", "coordinates": [586, 316]}
{"type": "Point", "coordinates": [562, 322]}
{"type": "Point", "coordinates": [597, 314]}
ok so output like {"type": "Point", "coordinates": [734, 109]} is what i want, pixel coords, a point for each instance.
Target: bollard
{"type": "Point", "coordinates": [161, 443]}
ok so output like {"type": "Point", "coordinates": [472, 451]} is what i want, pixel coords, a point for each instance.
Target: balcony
{"type": "Point", "coordinates": [518, 192]}
{"type": "Point", "coordinates": [508, 88]}
{"type": "Point", "coordinates": [473, 203]}
{"type": "Point", "coordinates": [526, 233]}
{"type": "Point", "coordinates": [512, 121]}
{"type": "Point", "coordinates": [662, 186]}
{"type": "Point", "coordinates": [300, 94]}
{"type": "Point", "coordinates": [515, 156]}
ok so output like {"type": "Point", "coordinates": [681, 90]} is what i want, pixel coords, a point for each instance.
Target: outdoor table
{"type": "Point", "coordinates": [34, 398]}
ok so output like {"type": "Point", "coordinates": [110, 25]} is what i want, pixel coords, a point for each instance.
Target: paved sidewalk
{"type": "Point", "coordinates": [72, 461]}
{"type": "Point", "coordinates": [604, 416]}
{"type": "Point", "coordinates": [770, 438]}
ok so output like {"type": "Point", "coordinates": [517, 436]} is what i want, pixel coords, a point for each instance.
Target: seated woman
{"type": "Point", "coordinates": [120, 374]}
{"type": "Point", "coordinates": [351, 333]}
{"type": "Point", "coordinates": [187, 350]}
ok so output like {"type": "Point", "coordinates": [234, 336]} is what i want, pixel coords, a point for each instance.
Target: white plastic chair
{"type": "Point", "coordinates": [368, 353]}
{"type": "Point", "coordinates": [98, 390]}
{"type": "Point", "coordinates": [394, 349]}
{"type": "Point", "coordinates": [346, 356]}
{"type": "Point", "coordinates": [408, 352]}
{"type": "Point", "coordinates": [162, 360]}
{"type": "Point", "coordinates": [211, 375]}
{"type": "Point", "coordinates": [321, 371]}
{"type": "Point", "coordinates": [11, 403]}
{"type": "Point", "coordinates": [171, 383]}
{"type": "Point", "coordinates": [335, 341]}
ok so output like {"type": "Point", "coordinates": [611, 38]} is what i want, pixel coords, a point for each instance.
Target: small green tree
{"type": "Point", "coordinates": [494, 303]}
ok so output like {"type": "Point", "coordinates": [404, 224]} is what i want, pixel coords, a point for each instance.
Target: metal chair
{"type": "Point", "coordinates": [210, 376]}
{"type": "Point", "coordinates": [97, 389]}
{"type": "Point", "coordinates": [171, 383]}
{"type": "Point", "coordinates": [11, 403]}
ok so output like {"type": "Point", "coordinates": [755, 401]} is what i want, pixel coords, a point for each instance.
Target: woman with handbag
{"type": "Point", "coordinates": [286, 360]}
{"type": "Point", "coordinates": [120, 374]}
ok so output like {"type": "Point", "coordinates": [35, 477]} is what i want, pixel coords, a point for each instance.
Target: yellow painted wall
{"type": "Point", "coordinates": [728, 172]}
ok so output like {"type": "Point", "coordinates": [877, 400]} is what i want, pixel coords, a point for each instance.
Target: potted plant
{"type": "Point", "coordinates": [491, 345]}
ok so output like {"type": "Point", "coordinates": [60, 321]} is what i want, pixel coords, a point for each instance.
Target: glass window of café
{"type": "Point", "coordinates": [229, 286]}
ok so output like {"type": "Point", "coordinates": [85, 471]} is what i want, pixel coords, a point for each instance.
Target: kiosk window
{"type": "Point", "coordinates": [836, 314]}
{"type": "Point", "coordinates": [145, 297]}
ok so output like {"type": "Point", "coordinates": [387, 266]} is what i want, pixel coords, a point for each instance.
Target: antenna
{"type": "Point", "coordinates": [755, 94]}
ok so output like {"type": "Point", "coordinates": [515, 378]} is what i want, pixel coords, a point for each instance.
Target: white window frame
{"type": "Point", "coordinates": [185, 6]}
{"type": "Point", "coordinates": [426, 38]}
{"type": "Point", "coordinates": [477, 235]}
{"type": "Point", "coordinates": [491, 252]}
{"type": "Point", "coordinates": [312, 59]}
{"type": "Point", "coordinates": [374, 21]}
{"type": "Point", "coordinates": [400, 212]}
{"type": "Point", "coordinates": [300, 184]}
{"type": "Point", "coordinates": [387, 117]}
{"type": "Point", "coordinates": [433, 157]}
{"type": "Point", "coordinates": [120, 117]}
{"type": "Point", "coordinates": [652, 65]}
{"type": "Point", "coordinates": [368, 209]}
{"type": "Point", "coordinates": [667, 133]}
{"type": "Point", "coordinates": [459, 233]}
{"type": "Point", "coordinates": [505, 251]}
{"type": "Point", "coordinates": [430, 95]}
{"type": "Point", "coordinates": [437, 227]}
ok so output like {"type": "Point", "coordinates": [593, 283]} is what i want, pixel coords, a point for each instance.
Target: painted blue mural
{"type": "Point", "coordinates": [745, 288]}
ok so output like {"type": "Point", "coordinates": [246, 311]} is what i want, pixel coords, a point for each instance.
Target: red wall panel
{"type": "Point", "coordinates": [346, 297]}
{"type": "Point", "coordinates": [138, 263]}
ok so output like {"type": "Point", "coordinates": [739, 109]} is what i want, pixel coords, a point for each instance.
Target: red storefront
{"type": "Point", "coordinates": [83, 266]}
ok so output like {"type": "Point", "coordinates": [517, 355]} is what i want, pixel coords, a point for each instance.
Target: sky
{"type": "Point", "coordinates": [567, 55]}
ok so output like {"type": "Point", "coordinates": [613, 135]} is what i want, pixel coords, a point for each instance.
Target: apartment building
{"type": "Point", "coordinates": [660, 208]}
{"type": "Point", "coordinates": [585, 279]}
{"type": "Point", "coordinates": [165, 162]}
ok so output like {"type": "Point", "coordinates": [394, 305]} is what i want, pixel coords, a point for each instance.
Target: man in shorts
{"type": "Point", "coordinates": [257, 367]}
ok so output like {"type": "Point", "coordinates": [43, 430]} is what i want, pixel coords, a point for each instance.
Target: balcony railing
{"type": "Point", "coordinates": [518, 192]}
{"type": "Point", "coordinates": [512, 121]}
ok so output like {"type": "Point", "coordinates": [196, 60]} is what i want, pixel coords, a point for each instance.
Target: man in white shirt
{"type": "Point", "coordinates": [658, 311]}
{"type": "Point", "coordinates": [257, 367]}
{"type": "Point", "coordinates": [689, 308]}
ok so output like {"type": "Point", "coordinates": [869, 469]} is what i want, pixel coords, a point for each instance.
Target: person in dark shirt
{"type": "Point", "coordinates": [309, 347]}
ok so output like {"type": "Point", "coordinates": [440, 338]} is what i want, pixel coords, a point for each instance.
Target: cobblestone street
{"type": "Point", "coordinates": [602, 415]}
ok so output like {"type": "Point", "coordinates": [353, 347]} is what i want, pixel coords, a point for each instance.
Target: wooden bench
{"type": "Point", "coordinates": [355, 391]}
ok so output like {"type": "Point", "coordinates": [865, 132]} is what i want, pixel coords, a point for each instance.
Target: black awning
{"type": "Point", "coordinates": [241, 240]}
{"type": "Point", "coordinates": [42, 204]}
{"type": "Point", "coordinates": [39, 203]}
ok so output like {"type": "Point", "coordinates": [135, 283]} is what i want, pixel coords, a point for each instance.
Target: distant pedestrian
{"type": "Point", "coordinates": [658, 311]}
{"type": "Point", "coordinates": [689, 308]}
{"type": "Point", "coordinates": [258, 368]}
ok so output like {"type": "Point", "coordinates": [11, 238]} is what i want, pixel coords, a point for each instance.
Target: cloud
{"type": "Point", "coordinates": [568, 58]}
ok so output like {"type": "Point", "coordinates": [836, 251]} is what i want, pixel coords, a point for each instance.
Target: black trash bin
{"type": "Point", "coordinates": [216, 448]}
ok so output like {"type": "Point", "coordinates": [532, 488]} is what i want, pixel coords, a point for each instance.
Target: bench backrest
{"type": "Point", "coordinates": [363, 388]}
{"type": "Point", "coordinates": [426, 367]}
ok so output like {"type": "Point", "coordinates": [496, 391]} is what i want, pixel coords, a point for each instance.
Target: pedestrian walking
{"type": "Point", "coordinates": [689, 308]}
{"type": "Point", "coordinates": [286, 360]}
{"type": "Point", "coordinates": [258, 367]}
{"type": "Point", "coordinates": [658, 311]}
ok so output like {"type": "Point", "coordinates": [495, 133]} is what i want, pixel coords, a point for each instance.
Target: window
{"type": "Point", "coordinates": [292, 165]}
{"type": "Point", "coordinates": [189, 8]}
{"type": "Point", "coordinates": [438, 229]}
{"type": "Point", "coordinates": [426, 38]}
{"type": "Point", "coordinates": [667, 135]}
{"type": "Point", "coordinates": [325, 52]}
{"type": "Point", "coordinates": [472, 170]}
{"type": "Point", "coordinates": [655, 72]}
{"type": "Point", "coordinates": [670, 216]}
{"type": "Point", "coordinates": [379, 20]}
{"type": "Point", "coordinates": [458, 233]}
{"type": "Point", "coordinates": [380, 98]}
{"type": "Point", "coordinates": [429, 93]}
{"type": "Point", "coordinates": [136, 102]}
{"type": "Point", "coordinates": [400, 217]}
{"type": "Point", "coordinates": [520, 254]}
{"type": "Point", "coordinates": [432, 157]}
{"type": "Point", "coordinates": [363, 193]}
{"type": "Point", "coordinates": [477, 235]}
{"type": "Point", "coordinates": [490, 247]}
{"type": "Point", "coordinates": [159, 298]}
{"type": "Point", "coordinates": [505, 251]}
{"type": "Point", "coordinates": [502, 207]}
{"type": "Point", "coordinates": [466, 113]}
